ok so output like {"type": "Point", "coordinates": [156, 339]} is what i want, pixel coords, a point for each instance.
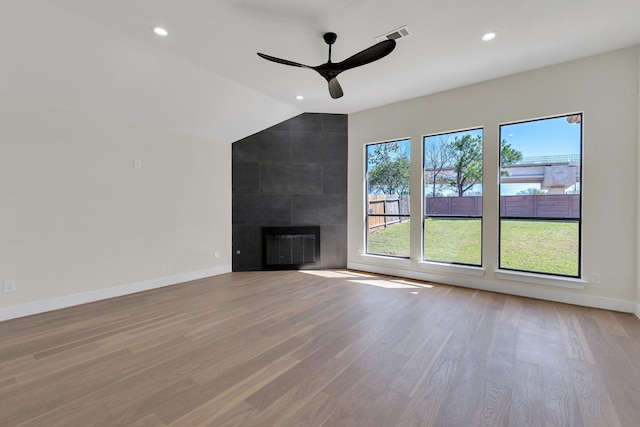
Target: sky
{"type": "Point", "coordinates": [543, 137]}
{"type": "Point", "coordinates": [404, 146]}
{"type": "Point", "coordinates": [450, 136]}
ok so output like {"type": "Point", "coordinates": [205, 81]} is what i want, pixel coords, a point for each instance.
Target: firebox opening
{"type": "Point", "coordinates": [290, 248]}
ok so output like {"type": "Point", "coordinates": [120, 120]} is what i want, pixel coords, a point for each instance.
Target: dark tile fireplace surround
{"type": "Point", "coordinates": [293, 174]}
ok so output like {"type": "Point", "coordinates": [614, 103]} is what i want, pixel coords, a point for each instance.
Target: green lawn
{"type": "Point", "coordinates": [539, 246]}
{"type": "Point", "coordinates": [453, 240]}
{"type": "Point", "coordinates": [392, 240]}
{"type": "Point", "coordinates": [542, 246]}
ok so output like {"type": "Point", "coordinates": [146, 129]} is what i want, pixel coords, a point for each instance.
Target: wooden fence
{"type": "Point", "coordinates": [385, 205]}
{"type": "Point", "coordinates": [451, 206]}
{"type": "Point", "coordinates": [526, 206]}
{"type": "Point", "coordinates": [529, 206]}
{"type": "Point", "coordinates": [541, 206]}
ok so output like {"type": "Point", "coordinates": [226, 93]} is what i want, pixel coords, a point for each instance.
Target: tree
{"type": "Point", "coordinates": [389, 169]}
{"type": "Point", "coordinates": [438, 156]}
{"type": "Point", "coordinates": [531, 191]}
{"type": "Point", "coordinates": [467, 165]}
{"type": "Point", "coordinates": [508, 156]}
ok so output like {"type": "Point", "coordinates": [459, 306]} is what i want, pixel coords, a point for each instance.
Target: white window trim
{"type": "Point", "coordinates": [533, 277]}
{"type": "Point", "coordinates": [439, 267]}
{"type": "Point", "coordinates": [403, 260]}
{"type": "Point", "coordinates": [393, 260]}
{"type": "Point", "coordinates": [541, 279]}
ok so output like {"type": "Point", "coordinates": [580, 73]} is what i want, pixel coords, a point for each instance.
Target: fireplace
{"type": "Point", "coordinates": [290, 247]}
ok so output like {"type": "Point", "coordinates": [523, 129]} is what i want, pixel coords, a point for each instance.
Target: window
{"type": "Point", "coordinates": [388, 186]}
{"type": "Point", "coordinates": [453, 197]}
{"type": "Point", "coordinates": [540, 195]}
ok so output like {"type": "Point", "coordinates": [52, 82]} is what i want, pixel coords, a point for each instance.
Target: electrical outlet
{"type": "Point", "coordinates": [595, 278]}
{"type": "Point", "coordinates": [216, 254]}
{"type": "Point", "coordinates": [9, 286]}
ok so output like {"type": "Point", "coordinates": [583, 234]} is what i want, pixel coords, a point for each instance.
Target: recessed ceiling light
{"type": "Point", "coordinates": [299, 97]}
{"type": "Point", "coordinates": [488, 36]}
{"type": "Point", "coordinates": [159, 31]}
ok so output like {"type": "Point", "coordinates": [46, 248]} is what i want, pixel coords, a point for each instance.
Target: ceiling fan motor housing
{"type": "Point", "coordinates": [330, 38]}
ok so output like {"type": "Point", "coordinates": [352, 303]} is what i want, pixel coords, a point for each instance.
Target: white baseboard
{"type": "Point", "coordinates": [36, 307]}
{"type": "Point", "coordinates": [539, 292]}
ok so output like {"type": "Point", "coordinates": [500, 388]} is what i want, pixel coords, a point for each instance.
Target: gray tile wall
{"type": "Point", "coordinates": [294, 173]}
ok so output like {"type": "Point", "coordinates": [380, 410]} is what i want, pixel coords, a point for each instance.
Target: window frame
{"type": "Point", "coordinates": [424, 214]}
{"type": "Point", "coordinates": [385, 215]}
{"type": "Point", "coordinates": [514, 271]}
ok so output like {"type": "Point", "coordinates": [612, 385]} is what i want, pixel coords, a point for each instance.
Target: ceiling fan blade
{"type": "Point", "coordinates": [375, 52]}
{"type": "Point", "coordinates": [334, 88]}
{"type": "Point", "coordinates": [281, 61]}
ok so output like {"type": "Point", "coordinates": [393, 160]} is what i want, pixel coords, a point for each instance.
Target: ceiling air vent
{"type": "Point", "coordinates": [399, 33]}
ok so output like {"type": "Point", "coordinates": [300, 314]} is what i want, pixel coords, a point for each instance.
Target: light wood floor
{"type": "Point", "coordinates": [320, 349]}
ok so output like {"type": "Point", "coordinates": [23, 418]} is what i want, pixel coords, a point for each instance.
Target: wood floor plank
{"type": "Point", "coordinates": [561, 402]}
{"type": "Point", "coordinates": [619, 386]}
{"type": "Point", "coordinates": [320, 349]}
{"type": "Point", "coordinates": [496, 406]}
{"type": "Point", "coordinates": [230, 403]}
{"type": "Point", "coordinates": [301, 403]}
{"type": "Point", "coordinates": [596, 407]}
{"type": "Point", "coordinates": [314, 413]}
{"type": "Point", "coordinates": [270, 392]}
{"type": "Point", "coordinates": [150, 420]}
{"type": "Point", "coordinates": [527, 409]}
{"type": "Point", "coordinates": [470, 396]}
{"type": "Point", "coordinates": [424, 407]}
{"type": "Point", "coordinates": [192, 398]}
{"type": "Point", "coordinates": [414, 372]}
{"type": "Point", "coordinates": [59, 388]}
{"type": "Point", "coordinates": [374, 408]}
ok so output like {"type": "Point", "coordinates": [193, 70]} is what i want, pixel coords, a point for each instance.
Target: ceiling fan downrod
{"type": "Point", "coordinates": [330, 38]}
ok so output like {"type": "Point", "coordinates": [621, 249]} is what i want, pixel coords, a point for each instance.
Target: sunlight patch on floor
{"type": "Point", "coordinates": [392, 284]}
{"type": "Point", "coordinates": [334, 274]}
{"type": "Point", "coordinates": [369, 279]}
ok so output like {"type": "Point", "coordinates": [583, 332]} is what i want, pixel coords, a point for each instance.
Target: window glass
{"type": "Point", "coordinates": [540, 195]}
{"type": "Point", "coordinates": [387, 204]}
{"type": "Point", "coordinates": [453, 197]}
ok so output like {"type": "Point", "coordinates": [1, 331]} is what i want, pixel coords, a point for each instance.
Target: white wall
{"type": "Point", "coordinates": [638, 236]}
{"type": "Point", "coordinates": [57, 57]}
{"type": "Point", "coordinates": [605, 88]}
{"type": "Point", "coordinates": [78, 222]}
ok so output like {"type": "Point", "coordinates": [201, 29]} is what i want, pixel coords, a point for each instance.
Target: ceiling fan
{"type": "Point", "coordinates": [330, 70]}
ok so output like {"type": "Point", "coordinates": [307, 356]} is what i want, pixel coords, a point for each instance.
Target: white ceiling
{"type": "Point", "coordinates": [205, 78]}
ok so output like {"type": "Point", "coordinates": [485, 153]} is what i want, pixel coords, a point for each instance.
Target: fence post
{"type": "Point", "coordinates": [384, 211]}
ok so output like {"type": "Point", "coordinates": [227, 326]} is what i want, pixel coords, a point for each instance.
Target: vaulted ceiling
{"type": "Point", "coordinates": [205, 78]}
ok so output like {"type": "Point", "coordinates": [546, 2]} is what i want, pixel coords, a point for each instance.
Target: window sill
{"type": "Point", "coordinates": [440, 267]}
{"type": "Point", "coordinates": [541, 279]}
{"type": "Point", "coordinates": [387, 259]}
